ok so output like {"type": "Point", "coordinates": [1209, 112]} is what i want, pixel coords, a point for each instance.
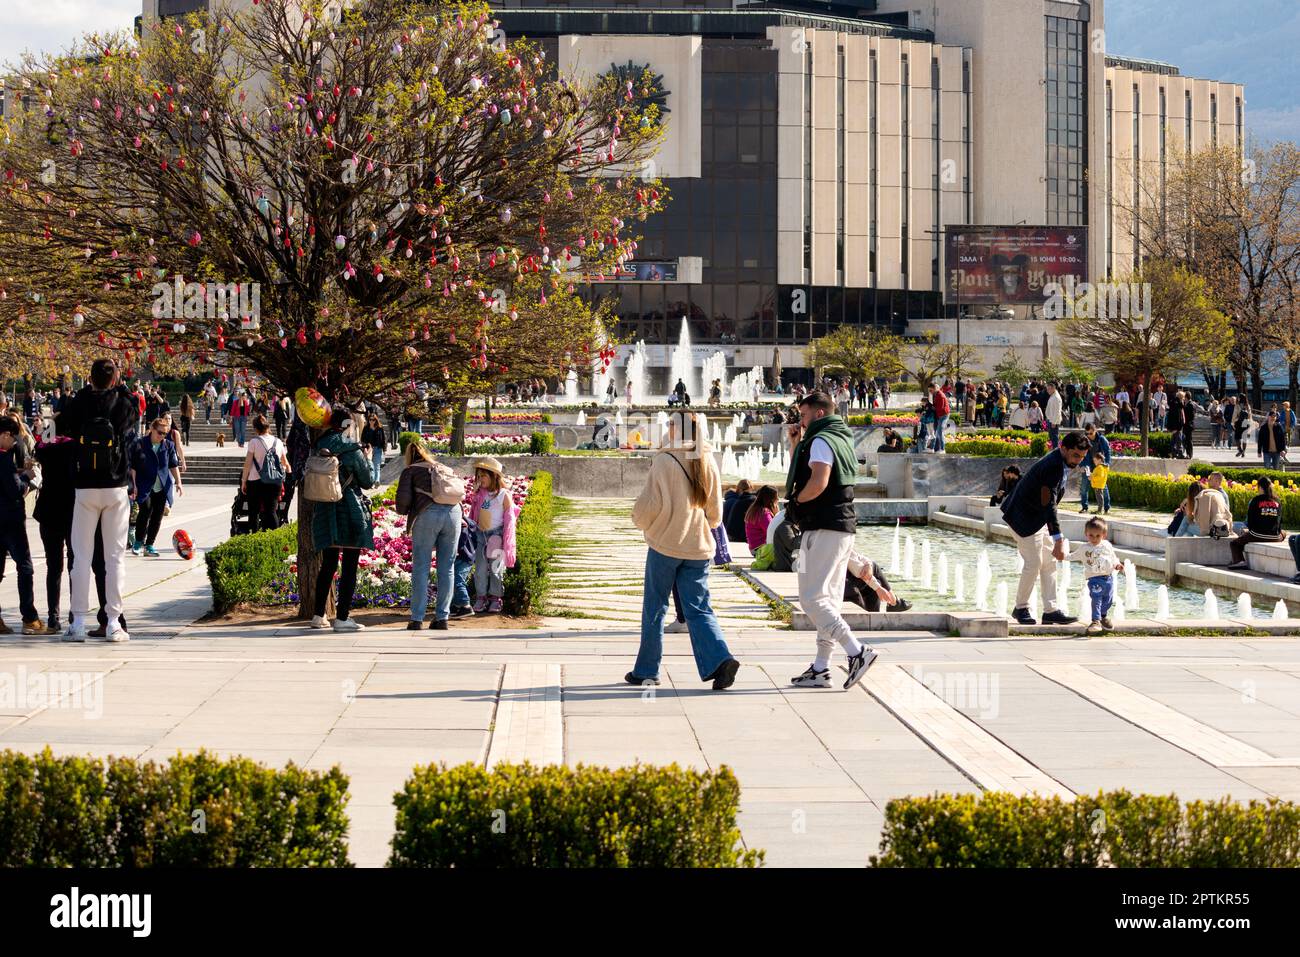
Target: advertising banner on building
{"type": "Point", "coordinates": [639, 272]}
{"type": "Point", "coordinates": [1011, 265]}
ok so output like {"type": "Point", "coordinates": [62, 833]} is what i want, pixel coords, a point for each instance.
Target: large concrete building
{"type": "Point", "coordinates": [819, 153]}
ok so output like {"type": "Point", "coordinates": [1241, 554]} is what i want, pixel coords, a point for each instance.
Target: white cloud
{"type": "Point", "coordinates": [52, 25]}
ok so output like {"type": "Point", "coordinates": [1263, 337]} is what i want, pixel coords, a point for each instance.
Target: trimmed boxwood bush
{"type": "Point", "coordinates": [406, 438]}
{"type": "Point", "coordinates": [526, 584]}
{"type": "Point", "coordinates": [1243, 474]}
{"type": "Point", "coordinates": [541, 443]}
{"type": "Point", "coordinates": [520, 815]}
{"type": "Point", "coordinates": [195, 811]}
{"type": "Point", "coordinates": [993, 448]}
{"type": "Point", "coordinates": [1115, 829]}
{"type": "Point", "coordinates": [242, 568]}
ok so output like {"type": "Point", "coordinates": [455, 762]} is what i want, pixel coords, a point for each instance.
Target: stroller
{"type": "Point", "coordinates": [240, 520]}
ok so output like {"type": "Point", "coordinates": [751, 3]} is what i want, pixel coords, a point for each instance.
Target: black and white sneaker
{"type": "Point", "coordinates": [858, 665]}
{"type": "Point", "coordinates": [812, 678]}
{"type": "Point", "coordinates": [462, 611]}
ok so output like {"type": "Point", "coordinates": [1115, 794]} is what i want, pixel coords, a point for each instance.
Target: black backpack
{"type": "Point", "coordinates": [99, 451]}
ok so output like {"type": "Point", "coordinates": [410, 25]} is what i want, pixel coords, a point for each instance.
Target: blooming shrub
{"type": "Point", "coordinates": [1163, 493]}
{"type": "Point", "coordinates": [880, 419]}
{"type": "Point", "coordinates": [495, 444]}
{"type": "Point", "coordinates": [384, 572]}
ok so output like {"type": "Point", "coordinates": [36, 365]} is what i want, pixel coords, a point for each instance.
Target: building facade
{"type": "Point", "coordinates": [818, 153]}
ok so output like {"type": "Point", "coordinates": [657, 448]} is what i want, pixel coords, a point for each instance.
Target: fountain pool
{"type": "Point", "coordinates": [963, 551]}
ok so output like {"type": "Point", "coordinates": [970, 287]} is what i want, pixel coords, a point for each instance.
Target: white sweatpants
{"type": "Point", "coordinates": [1036, 550]}
{"type": "Point", "coordinates": [111, 508]}
{"type": "Point", "coordinates": [824, 561]}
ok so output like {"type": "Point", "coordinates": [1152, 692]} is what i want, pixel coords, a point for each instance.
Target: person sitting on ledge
{"type": "Point", "coordinates": [893, 442]}
{"type": "Point", "coordinates": [1263, 523]}
{"type": "Point", "coordinates": [1010, 476]}
{"type": "Point", "coordinates": [865, 583]}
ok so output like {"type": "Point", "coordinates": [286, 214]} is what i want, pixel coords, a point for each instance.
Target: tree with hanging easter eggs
{"type": "Point", "coordinates": [412, 196]}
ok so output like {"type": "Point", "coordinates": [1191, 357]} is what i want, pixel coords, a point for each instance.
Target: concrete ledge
{"type": "Point", "coordinates": [1152, 628]}
{"type": "Point", "coordinates": [1196, 550]}
{"type": "Point", "coordinates": [963, 522]}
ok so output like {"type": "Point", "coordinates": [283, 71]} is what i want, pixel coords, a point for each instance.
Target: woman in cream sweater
{"type": "Point", "coordinates": [677, 511]}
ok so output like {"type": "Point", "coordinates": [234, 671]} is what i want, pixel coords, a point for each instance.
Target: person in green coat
{"type": "Point", "coordinates": [340, 530]}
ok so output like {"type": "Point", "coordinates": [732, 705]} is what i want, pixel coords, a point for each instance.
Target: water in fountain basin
{"type": "Point", "coordinates": [1162, 603]}
{"type": "Point", "coordinates": [1280, 612]}
{"type": "Point", "coordinates": [1211, 605]}
{"type": "Point", "coordinates": [895, 563]}
{"type": "Point", "coordinates": [943, 574]}
{"type": "Point", "coordinates": [927, 568]}
{"type": "Point", "coordinates": [1244, 609]}
{"type": "Point", "coordinates": [1063, 575]}
{"type": "Point", "coordinates": [1085, 603]}
{"type": "Point", "coordinates": [959, 585]}
{"type": "Point", "coordinates": [1118, 613]}
{"type": "Point", "coordinates": [909, 558]}
{"type": "Point", "coordinates": [1000, 601]}
{"type": "Point", "coordinates": [1033, 605]}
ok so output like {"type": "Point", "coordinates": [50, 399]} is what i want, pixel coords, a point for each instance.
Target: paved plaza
{"type": "Point", "coordinates": [1199, 717]}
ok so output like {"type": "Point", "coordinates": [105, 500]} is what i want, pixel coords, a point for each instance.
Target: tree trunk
{"type": "Point", "coordinates": [1144, 424]}
{"type": "Point", "coordinates": [458, 427]}
{"type": "Point", "coordinates": [1292, 380]}
{"type": "Point", "coordinates": [1256, 380]}
{"type": "Point", "coordinates": [487, 407]}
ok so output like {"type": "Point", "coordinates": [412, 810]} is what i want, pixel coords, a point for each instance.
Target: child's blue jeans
{"type": "Point", "coordinates": [1101, 591]}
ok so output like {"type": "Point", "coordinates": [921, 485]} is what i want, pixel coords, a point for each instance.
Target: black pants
{"type": "Point", "coordinates": [262, 502]}
{"type": "Point", "coordinates": [13, 541]}
{"type": "Point", "coordinates": [150, 518]}
{"type": "Point", "coordinates": [281, 427]}
{"type": "Point", "coordinates": [347, 580]}
{"type": "Point", "coordinates": [856, 590]}
{"type": "Point", "coordinates": [1189, 438]}
{"type": "Point", "coordinates": [57, 540]}
{"type": "Point", "coordinates": [185, 429]}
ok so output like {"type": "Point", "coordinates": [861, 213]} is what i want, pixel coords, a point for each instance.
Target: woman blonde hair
{"type": "Point", "coordinates": [685, 434]}
{"type": "Point", "coordinates": [416, 452]}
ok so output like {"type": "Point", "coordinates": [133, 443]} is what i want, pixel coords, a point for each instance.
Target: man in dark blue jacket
{"type": "Point", "coordinates": [1030, 512]}
{"type": "Point", "coordinates": [13, 527]}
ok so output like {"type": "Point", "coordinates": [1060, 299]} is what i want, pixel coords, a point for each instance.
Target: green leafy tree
{"type": "Point", "coordinates": [1183, 331]}
{"type": "Point", "coordinates": [1012, 369]}
{"type": "Point", "coordinates": [858, 352]}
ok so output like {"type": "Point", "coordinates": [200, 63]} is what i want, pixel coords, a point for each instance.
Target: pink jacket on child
{"type": "Point", "coordinates": [507, 520]}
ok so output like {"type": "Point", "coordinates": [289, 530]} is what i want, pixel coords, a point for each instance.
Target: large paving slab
{"type": "Point", "coordinates": [1201, 717]}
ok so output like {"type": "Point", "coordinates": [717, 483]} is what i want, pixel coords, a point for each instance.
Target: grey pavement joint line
{"type": "Point", "coordinates": [984, 758]}
{"type": "Point", "coordinates": [1183, 731]}
{"type": "Point", "coordinates": [100, 677]}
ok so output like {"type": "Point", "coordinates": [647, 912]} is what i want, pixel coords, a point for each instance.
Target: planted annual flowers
{"type": "Point", "coordinates": [384, 572]}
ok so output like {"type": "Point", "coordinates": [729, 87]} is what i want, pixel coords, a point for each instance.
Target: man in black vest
{"type": "Point", "coordinates": [1030, 512]}
{"type": "Point", "coordinates": [823, 469]}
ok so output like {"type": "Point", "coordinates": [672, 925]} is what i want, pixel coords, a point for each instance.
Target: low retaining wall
{"type": "Point", "coordinates": [917, 476]}
{"type": "Point", "coordinates": [580, 476]}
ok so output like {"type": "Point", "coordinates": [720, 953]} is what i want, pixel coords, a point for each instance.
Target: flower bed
{"type": "Point", "coordinates": [881, 420]}
{"type": "Point", "coordinates": [1163, 493]}
{"type": "Point", "coordinates": [508, 418]}
{"type": "Point", "coordinates": [494, 444]}
{"type": "Point", "coordinates": [384, 572]}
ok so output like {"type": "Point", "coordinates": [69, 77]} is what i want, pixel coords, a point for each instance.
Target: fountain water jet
{"type": "Point", "coordinates": [1130, 585]}
{"type": "Point", "coordinates": [1280, 612]}
{"type": "Point", "coordinates": [1211, 605]}
{"type": "Point", "coordinates": [983, 577]}
{"type": "Point", "coordinates": [927, 569]}
{"type": "Point", "coordinates": [638, 373]}
{"type": "Point", "coordinates": [943, 574]}
{"type": "Point", "coordinates": [959, 584]}
{"type": "Point", "coordinates": [1244, 610]}
{"type": "Point", "coordinates": [909, 558]}
{"type": "Point", "coordinates": [895, 563]}
{"type": "Point", "coordinates": [1162, 603]}
{"type": "Point", "coordinates": [682, 365]}
{"type": "Point", "coordinates": [1000, 602]}
{"type": "Point", "coordinates": [1118, 613]}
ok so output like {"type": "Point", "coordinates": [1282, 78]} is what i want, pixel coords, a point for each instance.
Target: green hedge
{"type": "Point", "coordinates": [993, 448]}
{"type": "Point", "coordinates": [541, 443]}
{"type": "Point", "coordinates": [526, 584]}
{"type": "Point", "coordinates": [242, 568]}
{"type": "Point", "coordinates": [120, 812]}
{"type": "Point", "coordinates": [1243, 475]}
{"type": "Point", "coordinates": [1159, 444]}
{"type": "Point", "coordinates": [1114, 829]}
{"type": "Point", "coordinates": [406, 438]}
{"type": "Point", "coordinates": [519, 815]}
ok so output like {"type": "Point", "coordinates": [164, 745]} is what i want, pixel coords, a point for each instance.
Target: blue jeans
{"type": "Point", "coordinates": [239, 425]}
{"type": "Point", "coordinates": [1101, 593]}
{"type": "Point", "coordinates": [436, 526]}
{"type": "Point", "coordinates": [460, 596]}
{"type": "Point", "coordinates": [1053, 432]}
{"type": "Point", "coordinates": [377, 462]}
{"type": "Point", "coordinates": [692, 581]}
{"type": "Point", "coordinates": [938, 432]}
{"type": "Point", "coordinates": [1272, 460]}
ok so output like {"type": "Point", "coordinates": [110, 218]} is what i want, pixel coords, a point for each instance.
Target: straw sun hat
{"type": "Point", "coordinates": [488, 464]}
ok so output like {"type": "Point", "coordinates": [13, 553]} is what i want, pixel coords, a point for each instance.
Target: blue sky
{"type": "Point", "coordinates": [1256, 42]}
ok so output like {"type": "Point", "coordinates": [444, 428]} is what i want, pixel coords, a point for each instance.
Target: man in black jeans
{"type": "Point", "coordinates": [13, 528]}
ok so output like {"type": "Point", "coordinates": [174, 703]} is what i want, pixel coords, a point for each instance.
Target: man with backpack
{"type": "Point", "coordinates": [102, 419]}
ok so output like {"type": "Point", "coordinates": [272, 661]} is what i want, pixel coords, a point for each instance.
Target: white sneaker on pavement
{"type": "Point", "coordinates": [676, 628]}
{"type": "Point", "coordinates": [76, 631]}
{"type": "Point", "coordinates": [347, 624]}
{"type": "Point", "coordinates": [117, 634]}
{"type": "Point", "coordinates": [320, 621]}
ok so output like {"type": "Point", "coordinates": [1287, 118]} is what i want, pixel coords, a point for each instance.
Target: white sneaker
{"type": "Point", "coordinates": [347, 624]}
{"type": "Point", "coordinates": [812, 679]}
{"type": "Point", "coordinates": [321, 622]}
{"type": "Point", "coordinates": [676, 628]}
{"type": "Point", "coordinates": [76, 632]}
{"type": "Point", "coordinates": [118, 634]}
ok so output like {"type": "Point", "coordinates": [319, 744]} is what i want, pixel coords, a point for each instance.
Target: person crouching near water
{"type": "Point", "coordinates": [677, 511]}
